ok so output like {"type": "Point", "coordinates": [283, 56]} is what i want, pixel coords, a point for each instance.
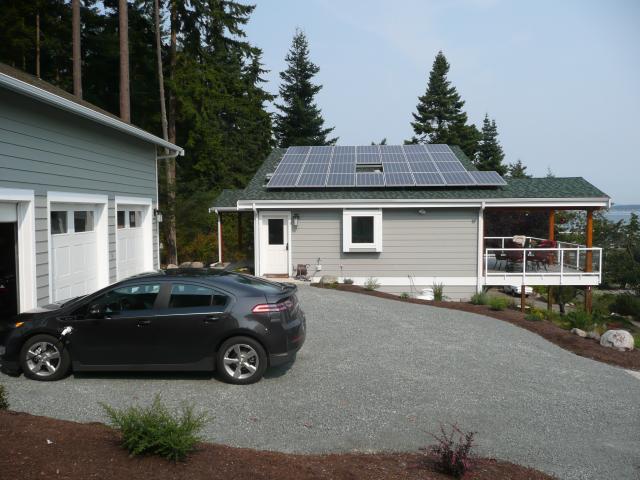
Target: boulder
{"type": "Point", "coordinates": [325, 279]}
{"type": "Point", "coordinates": [594, 336]}
{"type": "Point", "coordinates": [171, 265]}
{"type": "Point", "coordinates": [197, 265]}
{"type": "Point", "coordinates": [185, 265]}
{"type": "Point", "coordinates": [580, 333]}
{"type": "Point", "coordinates": [620, 339]}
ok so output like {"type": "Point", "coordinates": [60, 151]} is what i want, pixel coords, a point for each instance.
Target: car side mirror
{"type": "Point", "coordinates": [97, 311]}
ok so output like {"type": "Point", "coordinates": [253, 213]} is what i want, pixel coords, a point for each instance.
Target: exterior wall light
{"type": "Point", "coordinates": [296, 219]}
{"type": "Point", "coordinates": [158, 214]}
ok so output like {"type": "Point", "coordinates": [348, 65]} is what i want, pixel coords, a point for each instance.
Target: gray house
{"type": "Point", "coordinates": [78, 195]}
{"type": "Point", "coordinates": [409, 216]}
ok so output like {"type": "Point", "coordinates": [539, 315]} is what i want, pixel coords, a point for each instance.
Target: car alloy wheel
{"type": "Point", "coordinates": [43, 359]}
{"type": "Point", "coordinates": [241, 361]}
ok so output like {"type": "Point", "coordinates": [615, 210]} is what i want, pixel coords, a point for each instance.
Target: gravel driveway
{"type": "Point", "coordinates": [378, 374]}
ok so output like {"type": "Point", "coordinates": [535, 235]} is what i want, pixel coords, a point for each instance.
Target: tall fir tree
{"type": "Point", "coordinates": [490, 154]}
{"type": "Point", "coordinates": [299, 121]}
{"type": "Point", "coordinates": [517, 170]}
{"type": "Point", "coordinates": [439, 117]}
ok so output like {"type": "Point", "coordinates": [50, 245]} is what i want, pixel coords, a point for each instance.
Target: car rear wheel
{"type": "Point", "coordinates": [241, 361]}
{"type": "Point", "coordinates": [44, 358]}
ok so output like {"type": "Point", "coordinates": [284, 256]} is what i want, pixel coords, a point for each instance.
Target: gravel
{"type": "Point", "coordinates": [379, 375]}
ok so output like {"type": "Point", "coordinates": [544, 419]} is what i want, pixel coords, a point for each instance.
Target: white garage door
{"type": "Point", "coordinates": [132, 254]}
{"type": "Point", "coordinates": [74, 250]}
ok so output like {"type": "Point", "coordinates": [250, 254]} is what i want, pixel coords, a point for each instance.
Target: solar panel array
{"type": "Point", "coordinates": [376, 166]}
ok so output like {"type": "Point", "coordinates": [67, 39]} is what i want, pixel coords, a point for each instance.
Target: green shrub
{"type": "Point", "coordinates": [498, 303]}
{"type": "Point", "coordinates": [4, 401]}
{"type": "Point", "coordinates": [583, 320]}
{"type": "Point", "coordinates": [155, 430]}
{"type": "Point", "coordinates": [480, 298]}
{"type": "Point", "coordinates": [636, 340]}
{"type": "Point", "coordinates": [438, 292]}
{"type": "Point", "coordinates": [626, 304]}
{"type": "Point", "coordinates": [371, 284]}
{"type": "Point", "coordinates": [535, 315]}
{"type": "Point", "coordinates": [404, 295]}
{"type": "Point", "coordinates": [348, 281]}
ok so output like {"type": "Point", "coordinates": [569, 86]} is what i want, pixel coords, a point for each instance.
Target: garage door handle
{"type": "Point", "coordinates": [144, 323]}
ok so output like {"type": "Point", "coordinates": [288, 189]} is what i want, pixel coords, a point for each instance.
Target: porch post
{"type": "Point", "coordinates": [219, 237]}
{"type": "Point", "coordinates": [588, 267]}
{"type": "Point", "coordinates": [551, 236]}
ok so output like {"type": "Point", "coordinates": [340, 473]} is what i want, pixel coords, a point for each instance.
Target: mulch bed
{"type": "Point", "coordinates": [91, 451]}
{"type": "Point", "coordinates": [585, 347]}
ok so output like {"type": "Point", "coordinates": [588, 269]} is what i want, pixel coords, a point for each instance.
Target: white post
{"type": "Point", "coordinates": [219, 238]}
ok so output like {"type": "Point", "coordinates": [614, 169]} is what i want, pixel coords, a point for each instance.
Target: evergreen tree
{"type": "Point", "coordinates": [439, 117]}
{"type": "Point", "coordinates": [490, 154]}
{"type": "Point", "coordinates": [299, 121]}
{"type": "Point", "coordinates": [517, 170]}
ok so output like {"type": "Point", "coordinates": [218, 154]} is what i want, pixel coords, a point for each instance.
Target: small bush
{"type": "Point", "coordinates": [498, 303]}
{"type": "Point", "coordinates": [348, 281]}
{"type": "Point", "coordinates": [371, 284]}
{"type": "Point", "coordinates": [454, 454]}
{"type": "Point", "coordinates": [626, 304]}
{"type": "Point", "coordinates": [480, 299]}
{"type": "Point", "coordinates": [582, 320]}
{"type": "Point", "coordinates": [155, 430]}
{"type": "Point", "coordinates": [636, 341]}
{"type": "Point", "coordinates": [535, 315]}
{"type": "Point", "coordinates": [438, 292]}
{"type": "Point", "coordinates": [404, 295]}
{"type": "Point", "coordinates": [4, 401]}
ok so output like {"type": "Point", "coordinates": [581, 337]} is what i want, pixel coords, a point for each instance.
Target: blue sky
{"type": "Point", "coordinates": [562, 79]}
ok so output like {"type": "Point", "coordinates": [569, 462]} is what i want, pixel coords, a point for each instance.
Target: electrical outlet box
{"type": "Point", "coordinates": [318, 267]}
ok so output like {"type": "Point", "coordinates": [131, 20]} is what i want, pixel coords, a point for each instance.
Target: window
{"type": "Point", "coordinates": [121, 219]}
{"type": "Point", "coordinates": [132, 297]}
{"type": "Point", "coordinates": [58, 222]}
{"type": "Point", "coordinates": [276, 231]}
{"type": "Point", "coordinates": [362, 230]}
{"type": "Point", "coordinates": [186, 295]}
{"type": "Point", "coordinates": [83, 221]}
{"type": "Point", "coordinates": [135, 218]}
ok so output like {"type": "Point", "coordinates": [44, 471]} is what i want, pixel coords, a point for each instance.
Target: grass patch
{"type": "Point", "coordinates": [438, 292]}
{"type": "Point", "coordinates": [480, 298]}
{"type": "Point", "coordinates": [498, 303]}
{"type": "Point", "coordinates": [154, 430]}
{"type": "Point", "coordinates": [371, 284]}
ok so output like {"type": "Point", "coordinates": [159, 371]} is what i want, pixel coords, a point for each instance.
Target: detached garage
{"type": "Point", "coordinates": [78, 195]}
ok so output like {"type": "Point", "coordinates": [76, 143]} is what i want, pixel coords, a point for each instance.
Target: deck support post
{"type": "Point", "coordinates": [523, 298]}
{"type": "Point", "coordinates": [551, 236]}
{"type": "Point", "coordinates": [588, 266]}
{"type": "Point", "coordinates": [219, 237]}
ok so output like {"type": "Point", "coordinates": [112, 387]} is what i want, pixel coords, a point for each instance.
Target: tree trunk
{"type": "Point", "coordinates": [163, 107]}
{"type": "Point", "coordinates": [125, 106]}
{"type": "Point", "coordinates": [170, 224]}
{"type": "Point", "coordinates": [38, 44]}
{"type": "Point", "coordinates": [77, 68]}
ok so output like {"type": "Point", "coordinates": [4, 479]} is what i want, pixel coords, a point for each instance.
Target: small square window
{"type": "Point", "coordinates": [121, 218]}
{"type": "Point", "coordinates": [362, 230]}
{"type": "Point", "coordinates": [83, 221]}
{"type": "Point", "coordinates": [58, 222]}
{"type": "Point", "coordinates": [135, 218]}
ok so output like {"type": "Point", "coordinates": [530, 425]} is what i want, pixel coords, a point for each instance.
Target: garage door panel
{"type": "Point", "coordinates": [131, 241]}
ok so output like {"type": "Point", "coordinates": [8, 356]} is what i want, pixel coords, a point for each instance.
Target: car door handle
{"type": "Point", "coordinates": [144, 323]}
{"type": "Point", "coordinates": [211, 319]}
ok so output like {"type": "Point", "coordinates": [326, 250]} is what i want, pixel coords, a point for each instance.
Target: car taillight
{"type": "Point", "coordinates": [272, 307]}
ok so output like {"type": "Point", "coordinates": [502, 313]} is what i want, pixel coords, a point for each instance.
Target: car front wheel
{"type": "Point", "coordinates": [44, 358]}
{"type": "Point", "coordinates": [241, 361]}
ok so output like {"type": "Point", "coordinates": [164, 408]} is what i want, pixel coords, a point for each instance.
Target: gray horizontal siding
{"type": "Point", "coordinates": [46, 149]}
{"type": "Point", "coordinates": [450, 292]}
{"type": "Point", "coordinates": [442, 243]}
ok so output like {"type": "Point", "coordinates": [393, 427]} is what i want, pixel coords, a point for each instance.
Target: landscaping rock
{"type": "Point", "coordinates": [620, 339]}
{"type": "Point", "coordinates": [185, 265]}
{"type": "Point", "coordinates": [594, 336]}
{"type": "Point", "coordinates": [197, 265]}
{"type": "Point", "coordinates": [171, 265]}
{"type": "Point", "coordinates": [328, 279]}
{"type": "Point", "coordinates": [580, 333]}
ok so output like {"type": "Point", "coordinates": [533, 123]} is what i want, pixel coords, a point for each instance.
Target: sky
{"type": "Point", "coordinates": [561, 79]}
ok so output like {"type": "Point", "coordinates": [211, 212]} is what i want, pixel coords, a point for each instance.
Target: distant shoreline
{"type": "Point", "coordinates": [622, 212]}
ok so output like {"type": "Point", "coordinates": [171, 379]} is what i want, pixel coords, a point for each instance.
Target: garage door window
{"type": "Point", "coordinates": [135, 218]}
{"type": "Point", "coordinates": [121, 219]}
{"type": "Point", "coordinates": [58, 222]}
{"type": "Point", "coordinates": [83, 221]}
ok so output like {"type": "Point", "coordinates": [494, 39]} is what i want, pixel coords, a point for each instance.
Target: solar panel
{"type": "Point", "coordinates": [369, 179]}
{"type": "Point", "coordinates": [399, 179]}
{"type": "Point", "coordinates": [312, 180]}
{"type": "Point", "coordinates": [458, 178]}
{"type": "Point", "coordinates": [341, 180]}
{"type": "Point", "coordinates": [369, 158]}
{"type": "Point", "coordinates": [424, 179]}
{"type": "Point", "coordinates": [450, 167]}
{"type": "Point", "coordinates": [421, 165]}
{"type": "Point", "coordinates": [487, 178]}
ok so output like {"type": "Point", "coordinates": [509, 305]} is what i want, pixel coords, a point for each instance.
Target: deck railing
{"type": "Point", "coordinates": [567, 262]}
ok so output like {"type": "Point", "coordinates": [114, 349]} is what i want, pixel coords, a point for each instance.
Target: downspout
{"type": "Point", "coordinates": [480, 280]}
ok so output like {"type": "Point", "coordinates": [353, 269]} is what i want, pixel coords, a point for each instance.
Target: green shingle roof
{"type": "Point", "coordinates": [547, 187]}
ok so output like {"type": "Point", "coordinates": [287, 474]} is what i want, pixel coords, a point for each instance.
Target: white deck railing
{"type": "Point", "coordinates": [567, 263]}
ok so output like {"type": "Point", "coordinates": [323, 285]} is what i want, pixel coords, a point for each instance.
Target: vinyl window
{"type": "Point", "coordinates": [362, 230]}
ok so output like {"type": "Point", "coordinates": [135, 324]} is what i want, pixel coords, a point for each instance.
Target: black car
{"type": "Point", "coordinates": [171, 320]}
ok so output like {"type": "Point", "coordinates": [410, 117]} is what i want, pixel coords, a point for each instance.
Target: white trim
{"type": "Point", "coordinates": [347, 245]}
{"type": "Point", "coordinates": [147, 225]}
{"type": "Point", "coordinates": [418, 281]}
{"type": "Point", "coordinates": [54, 100]}
{"type": "Point", "coordinates": [276, 214]}
{"type": "Point", "coordinates": [256, 243]}
{"type": "Point", "coordinates": [26, 225]}
{"type": "Point", "coordinates": [101, 227]}
{"type": "Point", "coordinates": [480, 248]}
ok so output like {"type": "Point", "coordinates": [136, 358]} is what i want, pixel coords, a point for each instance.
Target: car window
{"type": "Point", "coordinates": [185, 295]}
{"type": "Point", "coordinates": [129, 298]}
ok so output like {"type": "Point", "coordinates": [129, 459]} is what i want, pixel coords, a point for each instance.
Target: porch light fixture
{"type": "Point", "coordinates": [422, 211]}
{"type": "Point", "coordinates": [158, 214]}
{"type": "Point", "coordinates": [296, 219]}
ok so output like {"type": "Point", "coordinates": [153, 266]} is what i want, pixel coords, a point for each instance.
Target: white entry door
{"type": "Point", "coordinates": [74, 250]}
{"type": "Point", "coordinates": [133, 248]}
{"type": "Point", "coordinates": [274, 253]}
